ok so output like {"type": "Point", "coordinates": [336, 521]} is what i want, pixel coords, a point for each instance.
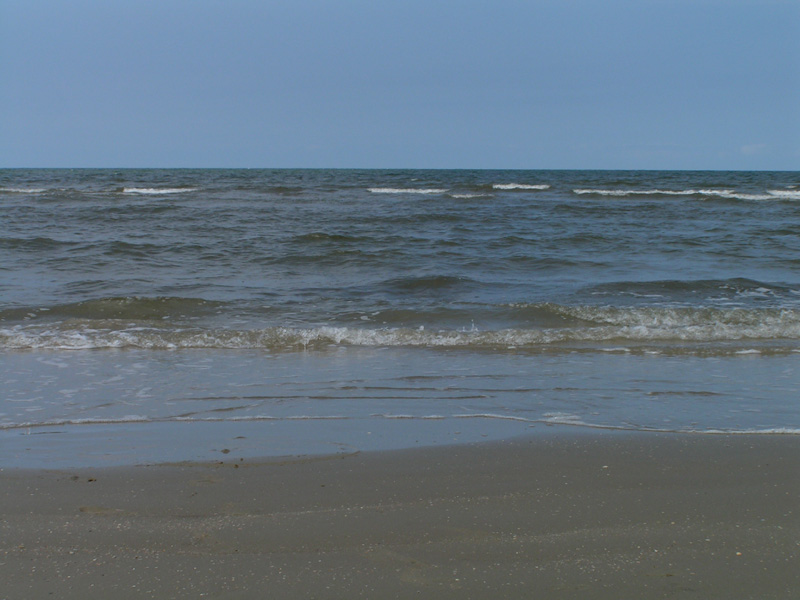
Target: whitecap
{"type": "Point", "coordinates": [157, 191]}
{"type": "Point", "coordinates": [407, 190]}
{"type": "Point", "coordinates": [726, 194]}
{"type": "Point", "coordinates": [609, 326]}
{"type": "Point", "coordinates": [601, 192]}
{"type": "Point", "coordinates": [11, 190]}
{"type": "Point", "coordinates": [785, 194]}
{"type": "Point", "coordinates": [520, 186]}
{"type": "Point", "coordinates": [561, 418]}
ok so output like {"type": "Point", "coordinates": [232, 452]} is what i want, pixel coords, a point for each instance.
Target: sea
{"type": "Point", "coordinates": [157, 315]}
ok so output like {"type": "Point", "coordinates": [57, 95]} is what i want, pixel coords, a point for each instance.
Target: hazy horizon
{"type": "Point", "coordinates": [678, 85]}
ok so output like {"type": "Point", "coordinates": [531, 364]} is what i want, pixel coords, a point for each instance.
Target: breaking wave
{"type": "Point", "coordinates": [594, 327]}
{"type": "Point", "coordinates": [15, 190]}
{"type": "Point", "coordinates": [520, 186]}
{"type": "Point", "coordinates": [727, 194]}
{"type": "Point", "coordinates": [158, 191]}
{"type": "Point", "coordinates": [424, 191]}
{"type": "Point", "coordinates": [551, 419]}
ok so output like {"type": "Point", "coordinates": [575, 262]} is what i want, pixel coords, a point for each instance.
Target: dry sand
{"type": "Point", "coordinates": [574, 516]}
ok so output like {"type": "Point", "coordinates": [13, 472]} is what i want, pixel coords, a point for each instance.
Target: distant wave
{"type": "Point", "coordinates": [467, 196]}
{"type": "Point", "coordinates": [721, 193]}
{"type": "Point", "coordinates": [426, 283]}
{"type": "Point", "coordinates": [408, 190]}
{"type": "Point", "coordinates": [11, 190]}
{"type": "Point", "coordinates": [520, 186]}
{"type": "Point", "coordinates": [123, 308]}
{"type": "Point", "coordinates": [35, 243]}
{"type": "Point", "coordinates": [600, 192]}
{"type": "Point", "coordinates": [788, 194]}
{"type": "Point", "coordinates": [727, 289]}
{"type": "Point", "coordinates": [158, 191]}
{"type": "Point", "coordinates": [150, 191]}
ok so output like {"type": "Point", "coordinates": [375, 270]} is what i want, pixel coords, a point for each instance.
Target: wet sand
{"type": "Point", "coordinates": [593, 515]}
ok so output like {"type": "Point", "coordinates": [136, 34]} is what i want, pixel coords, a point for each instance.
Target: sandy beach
{"type": "Point", "coordinates": [593, 515]}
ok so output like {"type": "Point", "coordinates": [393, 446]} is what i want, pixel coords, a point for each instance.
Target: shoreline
{"type": "Point", "coordinates": [101, 445]}
{"type": "Point", "coordinates": [588, 515]}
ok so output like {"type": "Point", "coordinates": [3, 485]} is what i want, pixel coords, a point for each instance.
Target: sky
{"type": "Point", "coordinates": [528, 84]}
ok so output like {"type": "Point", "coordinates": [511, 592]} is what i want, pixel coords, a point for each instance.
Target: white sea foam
{"type": "Point", "coordinates": [550, 419]}
{"type": "Point", "coordinates": [493, 416]}
{"type": "Point", "coordinates": [264, 418]}
{"type": "Point", "coordinates": [521, 186]}
{"type": "Point", "coordinates": [601, 325]}
{"type": "Point", "coordinates": [563, 419]}
{"type": "Point", "coordinates": [408, 190]}
{"type": "Point", "coordinates": [468, 196]}
{"type": "Point", "coordinates": [727, 194]}
{"type": "Point", "coordinates": [768, 431]}
{"type": "Point", "coordinates": [11, 190]}
{"type": "Point", "coordinates": [127, 419]}
{"type": "Point", "coordinates": [600, 192]}
{"type": "Point", "coordinates": [157, 191]}
{"type": "Point", "coordinates": [785, 194]}
{"type": "Point", "coordinates": [405, 416]}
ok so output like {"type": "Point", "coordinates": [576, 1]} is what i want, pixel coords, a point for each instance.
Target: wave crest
{"type": "Point", "coordinates": [520, 186]}
{"type": "Point", "coordinates": [158, 191]}
{"type": "Point", "coordinates": [726, 194]}
{"type": "Point", "coordinates": [592, 327]}
{"type": "Point", "coordinates": [424, 191]}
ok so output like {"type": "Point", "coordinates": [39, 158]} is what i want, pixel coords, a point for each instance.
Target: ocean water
{"type": "Point", "coordinates": [310, 309]}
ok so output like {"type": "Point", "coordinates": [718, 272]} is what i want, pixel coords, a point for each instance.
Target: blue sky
{"type": "Point", "coordinates": [644, 84]}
